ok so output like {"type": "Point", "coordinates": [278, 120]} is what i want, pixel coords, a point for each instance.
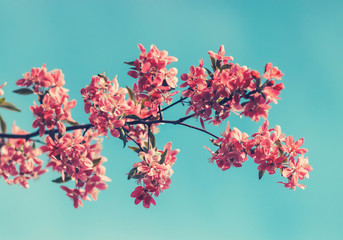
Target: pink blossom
{"type": "Point", "coordinates": [272, 72]}
{"type": "Point", "coordinates": [271, 149]}
{"type": "Point", "coordinates": [53, 98]}
{"type": "Point", "coordinates": [231, 150]}
{"type": "Point", "coordinates": [221, 55]}
{"type": "Point", "coordinates": [294, 148]}
{"type": "Point", "coordinates": [155, 81]}
{"type": "Point", "coordinates": [106, 103]}
{"type": "Point", "coordinates": [296, 171]}
{"type": "Point", "coordinates": [142, 194]}
{"type": "Point", "coordinates": [19, 160]}
{"type": "Point", "coordinates": [75, 156]}
{"type": "Point", "coordinates": [154, 172]}
{"type": "Point", "coordinates": [231, 88]}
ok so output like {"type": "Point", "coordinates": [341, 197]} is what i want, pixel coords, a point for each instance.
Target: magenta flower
{"type": "Point", "coordinates": [142, 194]}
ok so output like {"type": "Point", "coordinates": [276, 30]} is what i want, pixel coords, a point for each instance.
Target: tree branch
{"type": "Point", "coordinates": [36, 133]}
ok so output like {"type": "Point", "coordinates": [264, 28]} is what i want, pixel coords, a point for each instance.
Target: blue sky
{"type": "Point", "coordinates": [84, 38]}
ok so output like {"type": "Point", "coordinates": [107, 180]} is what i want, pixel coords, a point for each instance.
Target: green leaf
{"type": "Point", "coordinates": [2, 100]}
{"type": "Point", "coordinates": [130, 63]}
{"type": "Point", "coordinates": [23, 91]}
{"type": "Point", "coordinates": [122, 136]}
{"type": "Point", "coordinates": [261, 173]}
{"type": "Point", "coordinates": [209, 73]}
{"type": "Point", "coordinates": [135, 149]}
{"type": "Point", "coordinates": [9, 106]}
{"type": "Point", "coordinates": [96, 162]}
{"type": "Point", "coordinates": [145, 150]}
{"type": "Point", "coordinates": [218, 64]}
{"type": "Point", "coordinates": [134, 174]}
{"type": "Point", "coordinates": [152, 139]}
{"type": "Point", "coordinates": [213, 62]}
{"type": "Point", "coordinates": [3, 125]}
{"type": "Point", "coordinates": [226, 66]}
{"type": "Point", "coordinates": [132, 116]}
{"type": "Point", "coordinates": [132, 94]}
{"type": "Point", "coordinates": [163, 157]}
{"type": "Point", "coordinates": [71, 123]}
{"type": "Point", "coordinates": [60, 180]}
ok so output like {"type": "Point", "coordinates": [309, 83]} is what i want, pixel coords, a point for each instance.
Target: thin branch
{"type": "Point", "coordinates": [160, 111]}
{"type": "Point", "coordinates": [171, 105]}
{"type": "Point", "coordinates": [149, 136]}
{"type": "Point", "coordinates": [134, 141]}
{"type": "Point", "coordinates": [175, 122]}
{"type": "Point", "coordinates": [200, 129]}
{"type": "Point", "coordinates": [49, 132]}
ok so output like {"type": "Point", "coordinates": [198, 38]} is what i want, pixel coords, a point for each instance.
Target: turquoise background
{"type": "Point", "coordinates": [84, 38]}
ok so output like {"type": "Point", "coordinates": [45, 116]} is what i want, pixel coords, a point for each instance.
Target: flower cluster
{"type": "Point", "coordinates": [230, 88]}
{"type": "Point", "coordinates": [154, 172]}
{"type": "Point", "coordinates": [231, 150]}
{"type": "Point", "coordinates": [55, 106]}
{"type": "Point", "coordinates": [155, 81]}
{"type": "Point", "coordinates": [272, 150]}
{"type": "Point", "coordinates": [40, 78]}
{"type": "Point", "coordinates": [106, 103]}
{"type": "Point", "coordinates": [269, 148]}
{"type": "Point", "coordinates": [19, 160]}
{"type": "Point", "coordinates": [77, 159]}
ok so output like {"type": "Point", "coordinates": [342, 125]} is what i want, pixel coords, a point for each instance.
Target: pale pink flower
{"type": "Point", "coordinates": [2, 91]}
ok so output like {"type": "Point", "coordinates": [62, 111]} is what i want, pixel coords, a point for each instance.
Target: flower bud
{"type": "Point", "coordinates": [255, 74]}
{"type": "Point", "coordinates": [279, 86]}
{"type": "Point", "coordinates": [270, 83]}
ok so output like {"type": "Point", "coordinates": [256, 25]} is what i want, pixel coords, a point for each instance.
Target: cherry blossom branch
{"type": "Point", "coordinates": [87, 126]}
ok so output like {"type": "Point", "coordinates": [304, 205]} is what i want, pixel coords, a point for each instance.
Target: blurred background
{"type": "Point", "coordinates": [84, 38]}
